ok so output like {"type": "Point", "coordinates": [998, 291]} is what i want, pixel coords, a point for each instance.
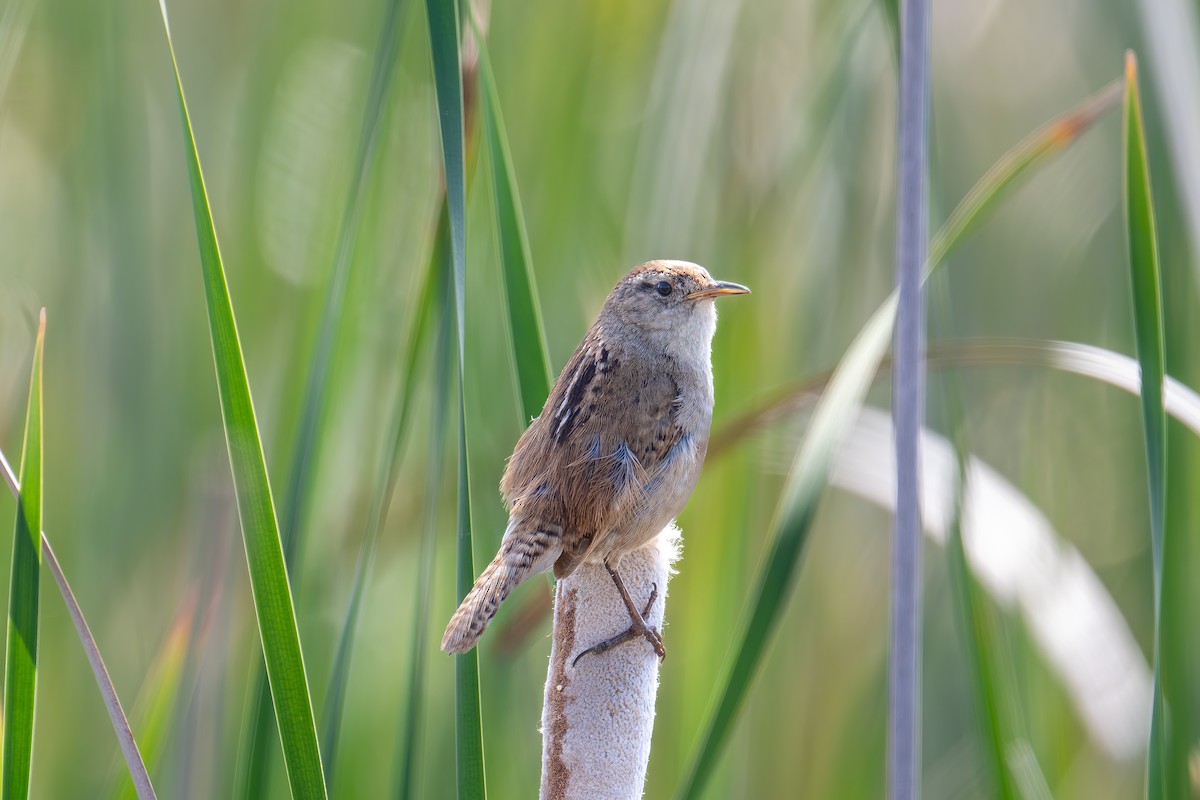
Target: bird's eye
{"type": "Point", "coordinates": [663, 288]}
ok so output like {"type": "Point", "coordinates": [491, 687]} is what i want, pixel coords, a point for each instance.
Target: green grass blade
{"type": "Point", "coordinates": [977, 623]}
{"type": "Point", "coordinates": [256, 509]}
{"type": "Point", "coordinates": [442, 16]}
{"type": "Point", "coordinates": [20, 656]}
{"type": "Point", "coordinates": [1162, 774]}
{"type": "Point", "coordinates": [260, 741]}
{"type": "Point", "coordinates": [317, 386]}
{"type": "Point", "coordinates": [468, 734]}
{"type": "Point", "coordinates": [1046, 141]}
{"type": "Point", "coordinates": [318, 382]}
{"type": "Point", "coordinates": [129, 748]}
{"type": "Point", "coordinates": [527, 337]}
{"type": "Point", "coordinates": [410, 734]}
{"type": "Point", "coordinates": [831, 420]}
{"type": "Point", "coordinates": [380, 504]}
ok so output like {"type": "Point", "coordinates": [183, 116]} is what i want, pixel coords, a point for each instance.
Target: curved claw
{"type": "Point", "coordinates": [636, 629]}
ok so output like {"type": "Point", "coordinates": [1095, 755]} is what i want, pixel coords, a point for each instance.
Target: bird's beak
{"type": "Point", "coordinates": [718, 289]}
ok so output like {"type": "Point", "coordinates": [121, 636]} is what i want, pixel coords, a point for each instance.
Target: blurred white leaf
{"type": "Point", "coordinates": [1022, 563]}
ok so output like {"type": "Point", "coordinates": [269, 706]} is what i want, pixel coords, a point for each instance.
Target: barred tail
{"type": "Point", "coordinates": [523, 553]}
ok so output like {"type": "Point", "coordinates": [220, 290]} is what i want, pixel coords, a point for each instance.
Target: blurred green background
{"type": "Point", "coordinates": [754, 138]}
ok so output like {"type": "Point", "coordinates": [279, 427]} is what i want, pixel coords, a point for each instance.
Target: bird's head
{"type": "Point", "coordinates": [671, 301]}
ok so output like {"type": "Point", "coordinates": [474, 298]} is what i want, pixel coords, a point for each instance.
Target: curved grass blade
{"type": "Point", "coordinates": [527, 336]}
{"type": "Point", "coordinates": [831, 420]}
{"type": "Point", "coordinates": [442, 16]}
{"type": "Point", "coordinates": [1051, 138]}
{"type": "Point", "coordinates": [1086, 360]}
{"type": "Point", "coordinates": [380, 504]}
{"type": "Point", "coordinates": [129, 748]}
{"type": "Point", "coordinates": [20, 657]}
{"type": "Point", "coordinates": [1163, 772]}
{"type": "Point", "coordinates": [1028, 570]}
{"type": "Point", "coordinates": [256, 509]}
{"type": "Point", "coordinates": [1042, 143]}
{"type": "Point", "coordinates": [318, 383]}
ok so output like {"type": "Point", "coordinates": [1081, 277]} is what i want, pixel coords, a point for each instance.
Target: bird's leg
{"type": "Point", "coordinates": [638, 621]}
{"type": "Point", "coordinates": [638, 626]}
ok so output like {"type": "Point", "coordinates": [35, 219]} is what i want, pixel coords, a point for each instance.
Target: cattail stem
{"type": "Point", "coordinates": [598, 714]}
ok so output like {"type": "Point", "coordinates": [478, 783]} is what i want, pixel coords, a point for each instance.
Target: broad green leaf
{"type": "Point", "coordinates": [319, 382]}
{"type": "Point", "coordinates": [442, 16]}
{"type": "Point", "coordinates": [256, 509]}
{"type": "Point", "coordinates": [831, 420]}
{"type": "Point", "coordinates": [1166, 775]}
{"type": "Point", "coordinates": [20, 655]}
{"type": "Point", "coordinates": [527, 337]}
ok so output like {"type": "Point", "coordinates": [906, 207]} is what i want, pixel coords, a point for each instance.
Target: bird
{"type": "Point", "coordinates": [617, 449]}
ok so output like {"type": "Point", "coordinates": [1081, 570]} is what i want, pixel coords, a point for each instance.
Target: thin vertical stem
{"type": "Point", "coordinates": [908, 378]}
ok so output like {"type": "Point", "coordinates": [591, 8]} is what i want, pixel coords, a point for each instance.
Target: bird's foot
{"type": "Point", "coordinates": [636, 629]}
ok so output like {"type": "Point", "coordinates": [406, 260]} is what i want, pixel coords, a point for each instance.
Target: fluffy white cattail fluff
{"type": "Point", "coordinates": [599, 714]}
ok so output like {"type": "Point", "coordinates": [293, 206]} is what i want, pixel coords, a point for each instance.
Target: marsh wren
{"type": "Point", "coordinates": [618, 446]}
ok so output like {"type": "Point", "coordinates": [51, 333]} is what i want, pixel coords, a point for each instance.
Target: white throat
{"type": "Point", "coordinates": [691, 340]}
